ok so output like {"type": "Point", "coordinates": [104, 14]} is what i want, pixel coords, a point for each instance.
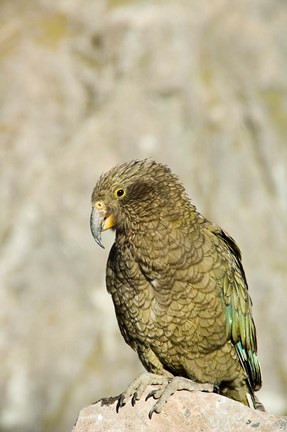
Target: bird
{"type": "Point", "coordinates": [178, 287]}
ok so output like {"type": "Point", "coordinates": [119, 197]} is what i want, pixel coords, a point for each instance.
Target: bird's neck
{"type": "Point", "coordinates": [155, 235]}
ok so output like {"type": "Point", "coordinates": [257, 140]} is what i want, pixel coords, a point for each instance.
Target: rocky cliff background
{"type": "Point", "coordinates": [86, 84]}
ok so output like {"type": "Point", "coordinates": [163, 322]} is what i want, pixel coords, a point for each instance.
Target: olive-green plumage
{"type": "Point", "coordinates": [177, 281]}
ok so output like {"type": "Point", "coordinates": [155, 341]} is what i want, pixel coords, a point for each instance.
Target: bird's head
{"type": "Point", "coordinates": [131, 194]}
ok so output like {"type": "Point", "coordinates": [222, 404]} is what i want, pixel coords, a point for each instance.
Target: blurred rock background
{"type": "Point", "coordinates": [86, 84]}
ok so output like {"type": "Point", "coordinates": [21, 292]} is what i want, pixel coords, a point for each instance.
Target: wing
{"type": "Point", "coordinates": [241, 326]}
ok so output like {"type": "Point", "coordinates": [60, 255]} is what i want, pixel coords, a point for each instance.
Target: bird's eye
{"type": "Point", "coordinates": [119, 193]}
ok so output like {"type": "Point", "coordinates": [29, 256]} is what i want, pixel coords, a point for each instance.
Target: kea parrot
{"type": "Point", "coordinates": [178, 287]}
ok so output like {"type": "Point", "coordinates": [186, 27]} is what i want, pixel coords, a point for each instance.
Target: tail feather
{"type": "Point", "coordinates": [250, 363]}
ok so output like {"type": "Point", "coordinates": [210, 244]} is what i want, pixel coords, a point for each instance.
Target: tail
{"type": "Point", "coordinates": [259, 405]}
{"type": "Point", "coordinates": [250, 363]}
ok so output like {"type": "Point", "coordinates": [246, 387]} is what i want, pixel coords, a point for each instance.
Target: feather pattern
{"type": "Point", "coordinates": [177, 282]}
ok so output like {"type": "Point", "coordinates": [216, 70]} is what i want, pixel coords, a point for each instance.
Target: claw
{"type": "Point", "coordinates": [151, 412]}
{"type": "Point", "coordinates": [150, 394]}
{"type": "Point", "coordinates": [134, 398]}
{"type": "Point", "coordinates": [121, 402]}
{"type": "Point", "coordinates": [155, 409]}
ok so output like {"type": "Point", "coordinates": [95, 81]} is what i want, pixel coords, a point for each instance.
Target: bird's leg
{"type": "Point", "coordinates": [136, 389]}
{"type": "Point", "coordinates": [173, 385]}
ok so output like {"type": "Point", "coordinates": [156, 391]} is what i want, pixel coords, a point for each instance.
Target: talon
{"type": "Point", "coordinates": [151, 394]}
{"type": "Point", "coordinates": [121, 402]}
{"type": "Point", "coordinates": [216, 389]}
{"type": "Point", "coordinates": [134, 398]}
{"type": "Point", "coordinates": [151, 413]}
{"type": "Point", "coordinates": [155, 409]}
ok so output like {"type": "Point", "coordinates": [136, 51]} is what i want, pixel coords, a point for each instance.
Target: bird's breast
{"type": "Point", "coordinates": [138, 293]}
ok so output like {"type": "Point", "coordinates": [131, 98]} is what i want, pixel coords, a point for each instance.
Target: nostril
{"type": "Point", "coordinates": [99, 205]}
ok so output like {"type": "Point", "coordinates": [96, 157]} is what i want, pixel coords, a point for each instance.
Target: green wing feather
{"type": "Point", "coordinates": [241, 327]}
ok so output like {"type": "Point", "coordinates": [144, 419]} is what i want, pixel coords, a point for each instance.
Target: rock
{"type": "Point", "coordinates": [184, 411]}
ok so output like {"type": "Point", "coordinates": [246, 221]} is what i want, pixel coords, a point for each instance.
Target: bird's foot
{"type": "Point", "coordinates": [173, 385]}
{"type": "Point", "coordinates": [136, 389]}
{"type": "Point", "coordinates": [168, 387]}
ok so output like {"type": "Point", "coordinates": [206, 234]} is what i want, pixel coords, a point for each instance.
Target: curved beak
{"type": "Point", "coordinates": [99, 221]}
{"type": "Point", "coordinates": [96, 223]}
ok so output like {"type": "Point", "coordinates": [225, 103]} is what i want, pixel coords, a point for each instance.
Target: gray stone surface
{"type": "Point", "coordinates": [183, 412]}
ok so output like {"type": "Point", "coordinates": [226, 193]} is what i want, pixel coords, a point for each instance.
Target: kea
{"type": "Point", "coordinates": [178, 287]}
